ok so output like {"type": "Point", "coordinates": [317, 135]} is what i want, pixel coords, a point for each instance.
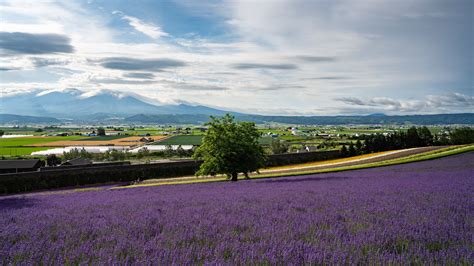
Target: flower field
{"type": "Point", "coordinates": [419, 213]}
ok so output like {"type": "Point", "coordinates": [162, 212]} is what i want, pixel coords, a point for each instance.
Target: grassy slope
{"type": "Point", "coordinates": [408, 159]}
{"type": "Point", "coordinates": [332, 161]}
{"type": "Point", "coordinates": [413, 158]}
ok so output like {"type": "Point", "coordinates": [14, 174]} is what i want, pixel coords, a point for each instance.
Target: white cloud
{"type": "Point", "coordinates": [149, 29]}
{"type": "Point", "coordinates": [334, 48]}
{"type": "Point", "coordinates": [430, 104]}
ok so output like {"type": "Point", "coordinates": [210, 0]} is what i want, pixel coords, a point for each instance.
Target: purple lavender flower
{"type": "Point", "coordinates": [417, 213]}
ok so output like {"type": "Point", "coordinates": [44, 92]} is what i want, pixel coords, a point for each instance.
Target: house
{"type": "Point", "coordinates": [16, 166]}
{"type": "Point", "coordinates": [294, 131]}
{"type": "Point", "coordinates": [146, 139]}
{"type": "Point", "coordinates": [78, 161]}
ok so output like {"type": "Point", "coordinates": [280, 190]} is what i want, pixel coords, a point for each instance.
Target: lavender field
{"type": "Point", "coordinates": [413, 213]}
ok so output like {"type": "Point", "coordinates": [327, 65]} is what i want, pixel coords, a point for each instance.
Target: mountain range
{"type": "Point", "coordinates": [72, 104]}
{"type": "Point", "coordinates": [110, 107]}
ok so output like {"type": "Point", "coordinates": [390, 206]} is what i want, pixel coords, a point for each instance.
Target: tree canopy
{"type": "Point", "coordinates": [100, 131]}
{"type": "Point", "coordinates": [230, 148]}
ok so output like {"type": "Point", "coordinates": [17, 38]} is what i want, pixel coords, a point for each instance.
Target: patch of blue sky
{"type": "Point", "coordinates": [27, 76]}
{"type": "Point", "coordinates": [173, 19]}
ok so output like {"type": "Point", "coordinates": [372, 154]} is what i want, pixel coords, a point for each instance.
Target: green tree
{"type": "Point", "coordinates": [278, 146]}
{"type": "Point", "coordinates": [77, 153]}
{"type": "Point", "coordinates": [344, 151]}
{"type": "Point", "coordinates": [352, 150]}
{"type": "Point", "coordinates": [464, 135]}
{"type": "Point", "coordinates": [143, 152]}
{"type": "Point", "coordinates": [230, 148]}
{"type": "Point", "coordinates": [180, 151]}
{"type": "Point", "coordinates": [425, 136]}
{"type": "Point", "coordinates": [116, 155]}
{"type": "Point", "coordinates": [413, 139]}
{"type": "Point", "coordinates": [53, 160]}
{"type": "Point", "coordinates": [358, 146]}
{"type": "Point", "coordinates": [2, 132]}
{"type": "Point", "coordinates": [100, 131]}
{"type": "Point", "coordinates": [169, 152]}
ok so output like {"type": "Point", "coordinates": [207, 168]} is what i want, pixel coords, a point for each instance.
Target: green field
{"type": "Point", "coordinates": [265, 140]}
{"type": "Point", "coordinates": [181, 140]}
{"type": "Point", "coordinates": [104, 138]}
{"type": "Point", "coordinates": [17, 151]}
{"type": "Point", "coordinates": [197, 140]}
{"type": "Point", "coordinates": [138, 132]}
{"type": "Point", "coordinates": [25, 141]}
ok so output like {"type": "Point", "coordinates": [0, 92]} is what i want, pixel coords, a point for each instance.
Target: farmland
{"type": "Point", "coordinates": [20, 151]}
{"type": "Point", "coordinates": [295, 138]}
{"type": "Point", "coordinates": [24, 146]}
{"type": "Point", "coordinates": [182, 140]}
{"type": "Point", "coordinates": [105, 138]}
{"type": "Point", "coordinates": [403, 214]}
{"type": "Point", "coordinates": [28, 141]}
{"type": "Point", "coordinates": [99, 141]}
{"type": "Point", "coordinates": [197, 140]}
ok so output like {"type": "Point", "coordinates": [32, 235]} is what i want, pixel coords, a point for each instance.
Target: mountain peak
{"type": "Point", "coordinates": [75, 103]}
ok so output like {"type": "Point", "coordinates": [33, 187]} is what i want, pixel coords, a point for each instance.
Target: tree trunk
{"type": "Point", "coordinates": [234, 176]}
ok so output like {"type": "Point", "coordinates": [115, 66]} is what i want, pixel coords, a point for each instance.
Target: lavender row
{"type": "Point", "coordinates": [413, 213]}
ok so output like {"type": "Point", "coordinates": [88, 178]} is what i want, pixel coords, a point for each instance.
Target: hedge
{"type": "Point", "coordinates": [23, 182]}
{"type": "Point", "coordinates": [96, 174]}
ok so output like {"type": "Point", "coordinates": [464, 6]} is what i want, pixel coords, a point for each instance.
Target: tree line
{"type": "Point", "coordinates": [413, 137]}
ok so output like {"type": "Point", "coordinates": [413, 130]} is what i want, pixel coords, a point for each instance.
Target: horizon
{"type": "Point", "coordinates": [310, 58]}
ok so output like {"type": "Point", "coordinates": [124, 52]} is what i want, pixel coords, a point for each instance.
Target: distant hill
{"type": "Point", "coordinates": [378, 114]}
{"type": "Point", "coordinates": [439, 119]}
{"type": "Point", "coordinates": [21, 119]}
{"type": "Point", "coordinates": [445, 119]}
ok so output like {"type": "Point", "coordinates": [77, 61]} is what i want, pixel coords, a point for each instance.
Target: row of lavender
{"type": "Point", "coordinates": [414, 213]}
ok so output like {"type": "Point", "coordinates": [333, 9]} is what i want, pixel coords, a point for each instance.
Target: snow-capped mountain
{"type": "Point", "coordinates": [74, 103]}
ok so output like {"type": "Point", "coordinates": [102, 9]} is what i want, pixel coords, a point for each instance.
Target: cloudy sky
{"type": "Point", "coordinates": [273, 57]}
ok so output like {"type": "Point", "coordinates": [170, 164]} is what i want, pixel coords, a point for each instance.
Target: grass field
{"type": "Point", "coordinates": [102, 138]}
{"type": "Point", "coordinates": [265, 140]}
{"type": "Point", "coordinates": [181, 140]}
{"type": "Point", "coordinates": [197, 140]}
{"type": "Point", "coordinates": [17, 151]}
{"type": "Point", "coordinates": [27, 145]}
{"type": "Point", "coordinates": [26, 141]}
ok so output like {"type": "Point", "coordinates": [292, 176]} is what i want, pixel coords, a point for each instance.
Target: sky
{"type": "Point", "coordinates": [283, 57]}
